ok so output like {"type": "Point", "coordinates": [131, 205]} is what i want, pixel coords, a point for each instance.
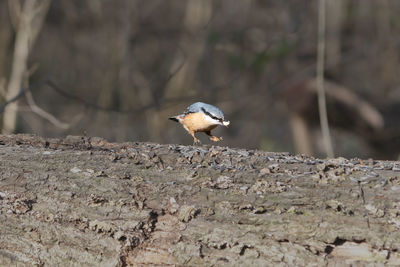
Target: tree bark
{"type": "Point", "coordinates": [86, 202]}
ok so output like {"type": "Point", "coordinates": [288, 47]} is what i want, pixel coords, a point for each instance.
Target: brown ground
{"type": "Point", "coordinates": [86, 202]}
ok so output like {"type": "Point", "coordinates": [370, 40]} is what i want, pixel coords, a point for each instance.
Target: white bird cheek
{"type": "Point", "coordinates": [211, 120]}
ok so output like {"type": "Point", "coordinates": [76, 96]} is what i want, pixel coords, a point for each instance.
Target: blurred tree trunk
{"type": "Point", "coordinates": [334, 22]}
{"type": "Point", "coordinates": [197, 15]}
{"type": "Point", "coordinates": [389, 65]}
{"type": "Point", "coordinates": [5, 40]}
{"type": "Point", "coordinates": [30, 20]}
{"type": "Point", "coordinates": [126, 93]}
{"type": "Point", "coordinates": [116, 90]}
{"type": "Point", "coordinates": [301, 134]}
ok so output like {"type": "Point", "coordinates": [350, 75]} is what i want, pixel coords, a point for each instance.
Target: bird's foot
{"type": "Point", "coordinates": [196, 141]}
{"type": "Point", "coordinates": [216, 139]}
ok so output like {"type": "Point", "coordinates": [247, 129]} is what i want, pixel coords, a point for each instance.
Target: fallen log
{"type": "Point", "coordinates": [87, 202]}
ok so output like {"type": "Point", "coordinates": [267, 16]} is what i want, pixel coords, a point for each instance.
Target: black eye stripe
{"type": "Point", "coordinates": [212, 116]}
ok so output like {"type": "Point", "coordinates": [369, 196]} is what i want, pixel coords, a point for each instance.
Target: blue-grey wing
{"type": "Point", "coordinates": [201, 107]}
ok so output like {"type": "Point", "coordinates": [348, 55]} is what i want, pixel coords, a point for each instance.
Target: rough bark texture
{"type": "Point", "coordinates": [85, 202]}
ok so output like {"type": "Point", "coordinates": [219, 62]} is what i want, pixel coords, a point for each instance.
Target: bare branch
{"type": "Point", "coordinates": [38, 17]}
{"type": "Point", "coordinates": [320, 79]}
{"type": "Point", "coordinates": [3, 91]}
{"type": "Point", "coordinates": [365, 110]}
{"type": "Point", "coordinates": [14, 11]}
{"type": "Point", "coordinates": [44, 114]}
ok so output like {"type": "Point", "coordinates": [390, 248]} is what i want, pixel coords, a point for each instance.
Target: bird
{"type": "Point", "coordinates": [201, 117]}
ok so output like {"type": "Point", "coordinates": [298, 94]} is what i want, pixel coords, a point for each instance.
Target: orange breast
{"type": "Point", "coordinates": [197, 123]}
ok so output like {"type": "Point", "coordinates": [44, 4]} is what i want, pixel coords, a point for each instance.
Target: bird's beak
{"type": "Point", "coordinates": [226, 123]}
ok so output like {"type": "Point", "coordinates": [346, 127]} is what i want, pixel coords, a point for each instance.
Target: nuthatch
{"type": "Point", "coordinates": [201, 117]}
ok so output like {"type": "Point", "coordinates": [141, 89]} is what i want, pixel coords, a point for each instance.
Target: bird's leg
{"type": "Point", "coordinates": [195, 140]}
{"type": "Point", "coordinates": [213, 137]}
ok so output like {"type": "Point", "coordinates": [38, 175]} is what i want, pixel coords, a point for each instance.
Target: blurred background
{"type": "Point", "coordinates": [120, 68]}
